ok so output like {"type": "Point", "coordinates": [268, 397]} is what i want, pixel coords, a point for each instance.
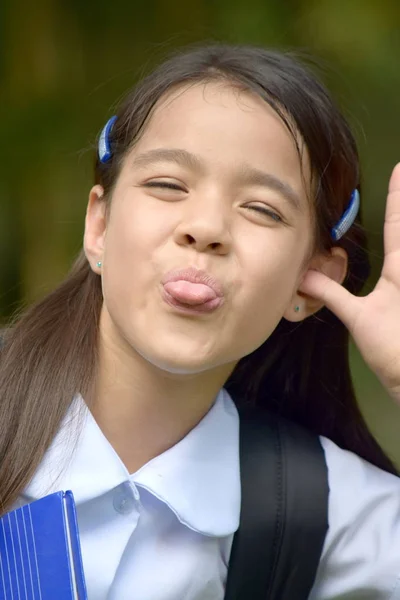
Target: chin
{"type": "Point", "coordinates": [180, 363]}
{"type": "Point", "coordinates": [179, 366]}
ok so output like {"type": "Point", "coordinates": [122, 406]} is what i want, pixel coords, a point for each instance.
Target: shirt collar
{"type": "Point", "coordinates": [198, 478]}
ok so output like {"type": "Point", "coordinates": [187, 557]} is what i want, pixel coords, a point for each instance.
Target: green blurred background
{"type": "Point", "coordinates": [64, 64]}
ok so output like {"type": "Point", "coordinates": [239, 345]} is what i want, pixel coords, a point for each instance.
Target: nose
{"type": "Point", "coordinates": [205, 229]}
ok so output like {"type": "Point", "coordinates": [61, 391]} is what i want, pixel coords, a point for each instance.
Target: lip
{"type": "Point", "coordinates": [193, 275]}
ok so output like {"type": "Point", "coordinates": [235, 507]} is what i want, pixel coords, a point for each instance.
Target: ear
{"type": "Point", "coordinates": [332, 264]}
{"type": "Point", "coordinates": [95, 227]}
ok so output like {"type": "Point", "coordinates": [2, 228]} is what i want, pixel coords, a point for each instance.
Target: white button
{"type": "Point", "coordinates": [124, 501]}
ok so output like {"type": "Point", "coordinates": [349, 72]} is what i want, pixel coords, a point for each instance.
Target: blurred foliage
{"type": "Point", "coordinates": [63, 65]}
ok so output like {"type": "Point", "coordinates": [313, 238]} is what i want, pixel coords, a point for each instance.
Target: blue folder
{"type": "Point", "coordinates": [40, 556]}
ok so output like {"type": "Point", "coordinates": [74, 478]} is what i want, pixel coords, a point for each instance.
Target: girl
{"type": "Point", "coordinates": [221, 221]}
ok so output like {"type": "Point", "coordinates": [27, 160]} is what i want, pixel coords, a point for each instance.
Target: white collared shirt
{"type": "Point", "coordinates": [166, 531]}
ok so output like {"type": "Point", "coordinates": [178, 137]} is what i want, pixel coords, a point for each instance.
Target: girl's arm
{"type": "Point", "coordinates": [373, 320]}
{"type": "Point", "coordinates": [360, 560]}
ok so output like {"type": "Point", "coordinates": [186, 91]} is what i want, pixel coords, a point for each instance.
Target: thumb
{"type": "Point", "coordinates": [333, 295]}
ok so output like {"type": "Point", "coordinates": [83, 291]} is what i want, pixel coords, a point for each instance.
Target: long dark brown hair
{"type": "Point", "coordinates": [302, 371]}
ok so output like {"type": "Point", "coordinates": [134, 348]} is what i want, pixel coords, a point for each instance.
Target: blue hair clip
{"type": "Point", "coordinates": [104, 147]}
{"type": "Point", "coordinates": [348, 217]}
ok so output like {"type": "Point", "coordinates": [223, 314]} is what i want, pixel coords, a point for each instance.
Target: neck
{"type": "Point", "coordinates": [143, 410]}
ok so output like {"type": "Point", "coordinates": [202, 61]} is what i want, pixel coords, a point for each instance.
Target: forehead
{"type": "Point", "coordinates": [207, 102]}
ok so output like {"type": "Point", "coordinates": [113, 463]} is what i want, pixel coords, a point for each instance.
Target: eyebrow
{"type": "Point", "coordinates": [247, 175]}
{"type": "Point", "coordinates": [173, 155]}
{"type": "Point", "coordinates": [254, 176]}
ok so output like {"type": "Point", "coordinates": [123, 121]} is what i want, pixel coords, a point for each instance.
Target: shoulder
{"type": "Point", "coordinates": [355, 484]}
{"type": "Point", "coordinates": [360, 558]}
{"type": "Point", "coordinates": [347, 470]}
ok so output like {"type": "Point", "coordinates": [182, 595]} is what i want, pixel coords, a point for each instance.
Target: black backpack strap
{"type": "Point", "coordinates": [284, 511]}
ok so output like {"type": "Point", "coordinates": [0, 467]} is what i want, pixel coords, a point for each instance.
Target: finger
{"type": "Point", "coordinates": [333, 295]}
{"type": "Point", "coordinates": [392, 214]}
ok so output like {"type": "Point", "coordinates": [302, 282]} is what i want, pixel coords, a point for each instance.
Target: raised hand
{"type": "Point", "coordinates": [373, 320]}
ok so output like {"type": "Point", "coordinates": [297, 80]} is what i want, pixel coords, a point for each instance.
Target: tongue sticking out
{"type": "Point", "coordinates": [190, 293]}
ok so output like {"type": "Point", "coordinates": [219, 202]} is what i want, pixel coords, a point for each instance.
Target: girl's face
{"type": "Point", "coordinates": [214, 184]}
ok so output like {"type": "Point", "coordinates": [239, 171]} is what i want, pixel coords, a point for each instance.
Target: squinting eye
{"type": "Point", "coordinates": [168, 185]}
{"type": "Point", "coordinates": [266, 211]}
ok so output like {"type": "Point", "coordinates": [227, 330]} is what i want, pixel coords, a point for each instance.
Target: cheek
{"type": "Point", "coordinates": [129, 267]}
{"type": "Point", "coordinates": [270, 280]}
{"type": "Point", "coordinates": [135, 234]}
{"type": "Point", "coordinates": [272, 263]}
